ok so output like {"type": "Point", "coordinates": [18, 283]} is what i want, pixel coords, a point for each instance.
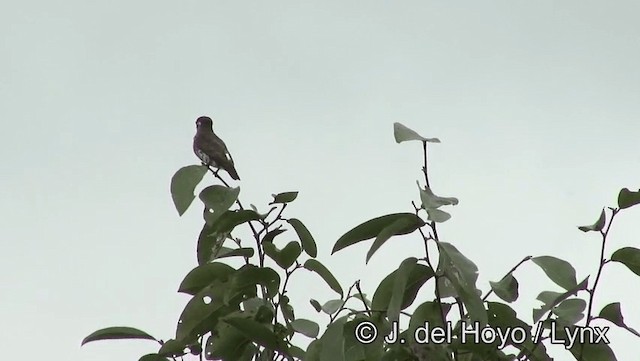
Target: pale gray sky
{"type": "Point", "coordinates": [536, 103]}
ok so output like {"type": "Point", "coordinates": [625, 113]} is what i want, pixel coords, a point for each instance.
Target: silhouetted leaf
{"type": "Point", "coordinates": [537, 313]}
{"type": "Point", "coordinates": [399, 285]}
{"type": "Point", "coordinates": [257, 333]}
{"type": "Point", "coordinates": [373, 227]}
{"type": "Point", "coordinates": [183, 184]}
{"type": "Point", "coordinates": [308, 243]}
{"type": "Point", "coordinates": [598, 226]}
{"type": "Point", "coordinates": [153, 357]}
{"type": "Point", "coordinates": [612, 313]}
{"type": "Point", "coordinates": [285, 197]}
{"type": "Point", "coordinates": [418, 276]}
{"type": "Point", "coordinates": [332, 306]}
{"type": "Point", "coordinates": [218, 199]}
{"type": "Point", "coordinates": [316, 305]}
{"type": "Point", "coordinates": [317, 267]}
{"type": "Point", "coordinates": [332, 348]}
{"type": "Point", "coordinates": [559, 271]}
{"type": "Point", "coordinates": [225, 252]}
{"type": "Point", "coordinates": [506, 288]}
{"type": "Point", "coordinates": [571, 310]}
{"type": "Point", "coordinates": [627, 198]}
{"type": "Point", "coordinates": [628, 256]}
{"type": "Point", "coordinates": [285, 257]}
{"type": "Point", "coordinates": [230, 219]}
{"type": "Point", "coordinates": [387, 232]}
{"type": "Point", "coordinates": [116, 333]}
{"type": "Point", "coordinates": [204, 275]}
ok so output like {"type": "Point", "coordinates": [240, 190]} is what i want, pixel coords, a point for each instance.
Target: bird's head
{"type": "Point", "coordinates": [204, 123]}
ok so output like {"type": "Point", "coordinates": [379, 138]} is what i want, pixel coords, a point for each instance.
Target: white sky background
{"type": "Point", "coordinates": [536, 104]}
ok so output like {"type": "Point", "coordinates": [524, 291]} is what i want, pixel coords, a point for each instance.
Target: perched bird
{"type": "Point", "coordinates": [211, 149]}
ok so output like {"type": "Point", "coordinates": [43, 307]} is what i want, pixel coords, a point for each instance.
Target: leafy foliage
{"type": "Point", "coordinates": [243, 312]}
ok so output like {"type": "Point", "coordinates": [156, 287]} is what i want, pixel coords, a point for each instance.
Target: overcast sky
{"type": "Point", "coordinates": [536, 104]}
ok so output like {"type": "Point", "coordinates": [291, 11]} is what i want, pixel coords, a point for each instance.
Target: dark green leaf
{"type": "Point", "coordinates": [506, 288]}
{"type": "Point", "coordinates": [172, 348]}
{"type": "Point", "coordinates": [588, 351]}
{"type": "Point", "coordinates": [250, 276]}
{"type": "Point", "coordinates": [308, 243]}
{"type": "Point", "coordinates": [203, 311]}
{"type": "Point", "coordinates": [271, 235]}
{"type": "Point", "coordinates": [332, 306]}
{"type": "Point", "coordinates": [316, 305]}
{"type": "Point", "coordinates": [428, 312]}
{"type": "Point", "coordinates": [402, 134]}
{"type": "Point", "coordinates": [230, 219]}
{"type": "Point", "coordinates": [183, 184]}
{"type": "Point", "coordinates": [333, 341]}
{"type": "Point", "coordinates": [373, 227]}
{"type": "Point", "coordinates": [627, 198]}
{"type": "Point", "coordinates": [387, 232]}
{"type": "Point", "coordinates": [537, 314]}
{"type": "Point", "coordinates": [463, 274]}
{"type": "Point", "coordinates": [257, 333]}
{"type": "Point", "coordinates": [306, 327]}
{"type": "Point", "coordinates": [612, 313]}
{"type": "Point", "coordinates": [628, 256]}
{"type": "Point", "coordinates": [209, 244]}
{"type": "Point", "coordinates": [419, 275]}
{"type": "Point", "coordinates": [115, 333]}
{"type": "Point", "coordinates": [285, 197]}
{"type": "Point", "coordinates": [317, 267]}
{"type": "Point", "coordinates": [559, 271]}
{"type": "Point", "coordinates": [218, 199]}
{"type": "Point", "coordinates": [598, 226]}
{"type": "Point", "coordinates": [570, 311]}
{"type": "Point", "coordinates": [399, 285]}
{"type": "Point", "coordinates": [228, 343]}
{"type": "Point", "coordinates": [235, 252]}
{"type": "Point", "coordinates": [285, 257]}
{"type": "Point", "coordinates": [153, 357]}
{"type": "Point", "coordinates": [204, 275]}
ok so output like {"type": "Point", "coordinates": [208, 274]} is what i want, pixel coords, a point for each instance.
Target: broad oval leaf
{"type": "Point", "coordinates": [250, 276]}
{"type": "Point", "coordinates": [183, 185]}
{"type": "Point", "coordinates": [218, 199]}
{"type": "Point", "coordinates": [402, 134]}
{"type": "Point", "coordinates": [559, 271]}
{"type": "Point", "coordinates": [230, 219]}
{"type": "Point", "coordinates": [628, 256]}
{"type": "Point", "coordinates": [418, 276]}
{"type": "Point", "coordinates": [117, 333]}
{"type": "Point", "coordinates": [308, 243]}
{"type": "Point", "coordinates": [538, 313]}
{"type": "Point", "coordinates": [306, 327]}
{"type": "Point", "coordinates": [627, 198]}
{"type": "Point", "coordinates": [596, 227]}
{"type": "Point", "coordinates": [373, 227]}
{"type": "Point", "coordinates": [285, 197]}
{"type": "Point", "coordinates": [202, 276]}
{"type": "Point", "coordinates": [437, 215]}
{"type": "Point", "coordinates": [153, 357]}
{"type": "Point", "coordinates": [570, 311]}
{"type": "Point", "coordinates": [172, 348]}
{"type": "Point", "coordinates": [612, 313]}
{"type": "Point", "coordinates": [332, 306]}
{"type": "Point", "coordinates": [285, 257]}
{"type": "Point", "coordinates": [316, 305]}
{"type": "Point", "coordinates": [333, 341]}
{"type": "Point", "coordinates": [506, 288]}
{"type": "Point", "coordinates": [317, 267]}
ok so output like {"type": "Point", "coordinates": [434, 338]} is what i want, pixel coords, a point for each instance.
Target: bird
{"type": "Point", "coordinates": [210, 149]}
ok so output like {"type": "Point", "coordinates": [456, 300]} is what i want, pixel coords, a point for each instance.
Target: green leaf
{"type": "Point", "coordinates": [257, 333]}
{"type": "Point", "coordinates": [316, 305]}
{"type": "Point", "coordinates": [502, 317]}
{"type": "Point", "coordinates": [218, 199]}
{"type": "Point", "coordinates": [598, 226]}
{"type": "Point", "coordinates": [183, 184]}
{"type": "Point", "coordinates": [373, 227]}
{"type": "Point", "coordinates": [317, 267]}
{"type": "Point", "coordinates": [399, 285]}
{"type": "Point", "coordinates": [210, 243]}
{"type": "Point", "coordinates": [228, 220]}
{"type": "Point", "coordinates": [245, 252]}
{"type": "Point", "coordinates": [271, 235]}
{"type": "Point", "coordinates": [332, 306]}
{"type": "Point", "coordinates": [559, 271]}
{"type": "Point", "coordinates": [570, 311]}
{"type": "Point", "coordinates": [202, 312]}
{"type": "Point", "coordinates": [202, 276]}
{"type": "Point", "coordinates": [463, 274]}
{"type": "Point", "coordinates": [117, 333]}
{"type": "Point", "coordinates": [308, 243]}
{"type": "Point", "coordinates": [537, 313]}
{"type": "Point", "coordinates": [228, 343]}
{"type": "Point", "coordinates": [627, 198]}
{"type": "Point", "coordinates": [506, 288]}
{"type": "Point", "coordinates": [428, 312]}
{"type": "Point", "coordinates": [250, 276]}
{"type": "Point", "coordinates": [589, 351]}
{"type": "Point", "coordinates": [401, 133]}
{"type": "Point", "coordinates": [418, 276]}
{"type": "Point", "coordinates": [628, 256]}
{"type": "Point", "coordinates": [285, 257]}
{"type": "Point", "coordinates": [333, 341]}
{"type": "Point", "coordinates": [306, 327]}
{"type": "Point", "coordinates": [153, 357]}
{"type": "Point", "coordinates": [612, 313]}
{"type": "Point", "coordinates": [172, 348]}
{"type": "Point", "coordinates": [285, 197]}
{"type": "Point", "coordinates": [387, 232]}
